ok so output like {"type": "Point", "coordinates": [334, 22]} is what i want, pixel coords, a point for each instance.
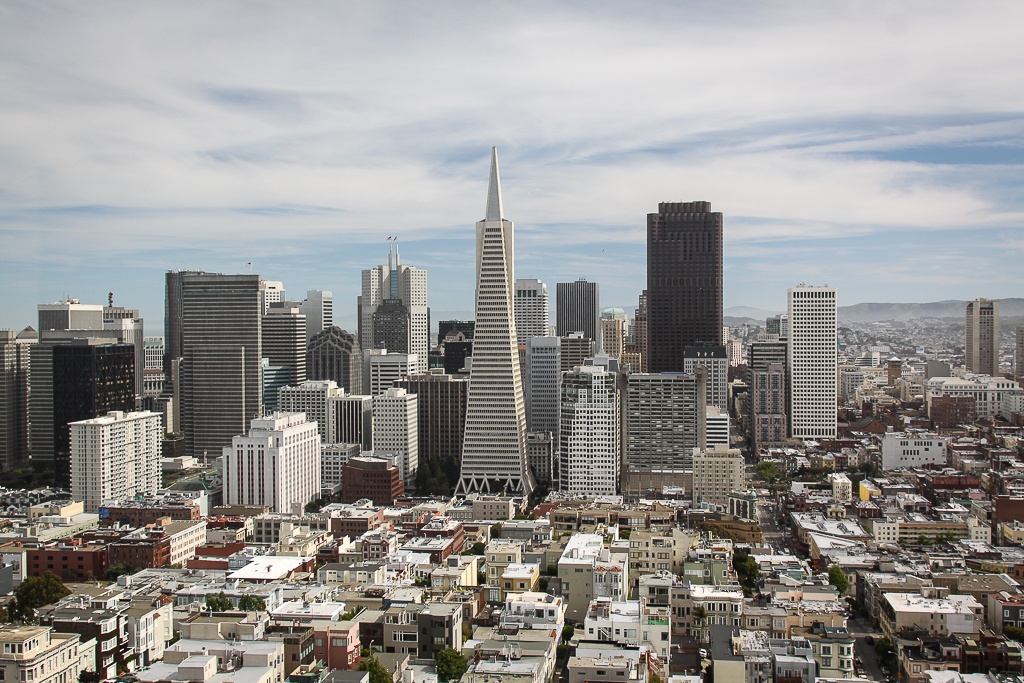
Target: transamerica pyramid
{"type": "Point", "coordinates": [494, 444]}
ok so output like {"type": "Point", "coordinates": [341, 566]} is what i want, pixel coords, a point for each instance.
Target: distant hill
{"type": "Point", "coordinates": [875, 312]}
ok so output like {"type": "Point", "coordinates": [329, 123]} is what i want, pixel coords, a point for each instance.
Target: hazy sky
{"type": "Point", "coordinates": [876, 147]}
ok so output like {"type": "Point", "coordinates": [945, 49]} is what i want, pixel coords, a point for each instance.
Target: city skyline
{"type": "Point", "coordinates": [876, 136]}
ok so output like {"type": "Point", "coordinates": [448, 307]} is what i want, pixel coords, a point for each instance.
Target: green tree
{"type": "Point", "coordinates": [219, 602]}
{"type": "Point", "coordinates": [378, 674]}
{"type": "Point", "coordinates": [883, 646]}
{"type": "Point", "coordinates": [450, 664]}
{"type": "Point", "coordinates": [568, 631]}
{"type": "Point", "coordinates": [116, 570]}
{"type": "Point", "coordinates": [36, 591]}
{"type": "Point", "coordinates": [249, 603]}
{"type": "Point", "coordinates": [838, 579]}
{"type": "Point", "coordinates": [767, 471]}
{"type": "Point", "coordinates": [476, 549]}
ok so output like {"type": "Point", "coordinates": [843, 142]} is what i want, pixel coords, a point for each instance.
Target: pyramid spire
{"type": "Point", "coordinates": [493, 190]}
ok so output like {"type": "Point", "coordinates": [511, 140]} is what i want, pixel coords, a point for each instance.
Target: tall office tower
{"type": "Point", "coordinates": [71, 380]}
{"type": "Point", "coordinates": [318, 307]}
{"type": "Point", "coordinates": [70, 314]}
{"type": "Point", "coordinates": [130, 329]}
{"type": "Point", "coordinates": [982, 343]}
{"type": "Point", "coordinates": [640, 337]}
{"type": "Point", "coordinates": [684, 282]}
{"type": "Point", "coordinates": [353, 417]}
{"type": "Point", "coordinates": [589, 440]}
{"type": "Point", "coordinates": [392, 327]}
{"type": "Point", "coordinates": [543, 373]}
{"type": "Point", "coordinates": [284, 339]}
{"type": "Point", "coordinates": [665, 420]}
{"type": "Point", "coordinates": [116, 455]}
{"type": "Point", "coordinates": [768, 423]}
{"type": "Point", "coordinates": [396, 431]}
{"type": "Point", "coordinates": [715, 360]}
{"type": "Point", "coordinates": [154, 347]}
{"type": "Point", "coordinates": [494, 447]}
{"type": "Point", "coordinates": [271, 292]}
{"type": "Point", "coordinates": [456, 350]}
{"type": "Point", "coordinates": [613, 331]}
{"type": "Point", "coordinates": [717, 472]}
{"type": "Point", "coordinates": [532, 316]}
{"type": "Point", "coordinates": [14, 373]}
{"type": "Point", "coordinates": [277, 464]}
{"type": "Point", "coordinates": [442, 417]}
{"type": "Point", "coordinates": [220, 346]}
{"type": "Point", "coordinates": [334, 354]}
{"type": "Point", "coordinates": [274, 378]}
{"type": "Point", "coordinates": [716, 426]}
{"type": "Point", "coordinates": [811, 359]}
{"type": "Point", "coordinates": [1018, 355]}
{"type": "Point", "coordinates": [446, 327]}
{"type": "Point", "coordinates": [573, 350]}
{"type": "Point", "coordinates": [384, 368]}
{"type": "Point", "coordinates": [406, 284]}
{"type": "Point", "coordinates": [315, 398]}
{"type": "Point", "coordinates": [578, 309]}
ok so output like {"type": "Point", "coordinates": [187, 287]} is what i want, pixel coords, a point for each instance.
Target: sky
{"type": "Point", "coordinates": [877, 147]}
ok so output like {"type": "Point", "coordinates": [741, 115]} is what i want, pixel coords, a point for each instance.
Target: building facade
{"type": "Point", "coordinates": [540, 383]}
{"type": "Point", "coordinates": [494, 446]}
{"type": "Point", "coordinates": [532, 315]}
{"type": "Point", "coordinates": [579, 310]}
{"type": "Point", "coordinates": [981, 345]}
{"type": "Point", "coordinates": [335, 355]}
{"type": "Point", "coordinates": [589, 441]}
{"type": "Point", "coordinates": [684, 282]}
{"type": "Point", "coordinates": [405, 284]}
{"type": "Point", "coordinates": [396, 431]}
{"type": "Point", "coordinates": [811, 359]}
{"type": "Point", "coordinates": [115, 456]}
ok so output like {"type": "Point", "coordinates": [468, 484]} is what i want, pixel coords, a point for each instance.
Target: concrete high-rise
{"type": "Point", "coordinates": [1018, 355]}
{"type": "Point", "coordinates": [219, 334]}
{"type": "Point", "coordinates": [271, 292]}
{"type": "Point", "coordinates": [541, 378]}
{"type": "Point", "coordinates": [318, 307]}
{"type": "Point", "coordinates": [578, 309]}
{"type": "Point", "coordinates": [715, 360]}
{"type": "Point", "coordinates": [613, 331]}
{"type": "Point", "coordinates": [811, 360]}
{"type": "Point", "coordinates": [684, 282]}
{"type": "Point", "coordinates": [115, 456]}
{"type": "Point", "coordinates": [574, 349]}
{"type": "Point", "coordinates": [334, 354]}
{"type": "Point", "coordinates": [981, 347]}
{"type": "Point", "coordinates": [383, 368]}
{"type": "Point", "coordinates": [589, 441]}
{"type": "Point", "coordinates": [276, 464]}
{"type": "Point", "coordinates": [14, 372]}
{"type": "Point", "coordinates": [494, 455]}
{"type": "Point", "coordinates": [284, 339]}
{"type": "Point", "coordinates": [640, 344]}
{"type": "Point", "coordinates": [532, 315]}
{"type": "Point", "coordinates": [665, 420]}
{"type": "Point", "coordinates": [396, 431]}
{"type": "Point", "coordinates": [70, 314]}
{"type": "Point", "coordinates": [769, 425]}
{"type": "Point", "coordinates": [717, 472]}
{"type": "Point", "coordinates": [396, 282]}
{"type": "Point", "coordinates": [441, 401]}
{"type": "Point", "coordinates": [315, 398]}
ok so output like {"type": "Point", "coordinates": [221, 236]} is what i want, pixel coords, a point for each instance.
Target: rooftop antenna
{"type": "Point", "coordinates": [110, 299]}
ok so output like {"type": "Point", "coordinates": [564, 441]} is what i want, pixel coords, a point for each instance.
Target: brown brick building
{"type": "Point", "coordinates": [373, 478]}
{"type": "Point", "coordinates": [70, 561]}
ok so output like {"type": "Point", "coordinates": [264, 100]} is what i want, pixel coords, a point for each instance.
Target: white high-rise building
{"type": "Point", "coordinates": [532, 315]}
{"type": "Point", "coordinates": [314, 398]}
{"type": "Point", "coordinates": [396, 431]}
{"type": "Point", "coordinates": [543, 373]}
{"type": "Point", "coordinates": [717, 431]}
{"type": "Point", "coordinates": [811, 359]}
{"type": "Point", "coordinates": [494, 448]}
{"type": "Point", "coordinates": [395, 282]}
{"type": "Point", "coordinates": [271, 292]}
{"type": "Point", "coordinates": [154, 348]}
{"type": "Point", "coordinates": [589, 443]}
{"type": "Point", "coordinates": [115, 456]}
{"type": "Point", "coordinates": [383, 369]}
{"type": "Point", "coordinates": [716, 360]}
{"type": "Point", "coordinates": [277, 464]}
{"type": "Point", "coordinates": [318, 307]}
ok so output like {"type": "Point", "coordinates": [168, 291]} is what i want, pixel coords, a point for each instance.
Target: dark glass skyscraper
{"type": "Point", "coordinates": [684, 282]}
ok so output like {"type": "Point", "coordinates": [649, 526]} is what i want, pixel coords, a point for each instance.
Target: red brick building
{"type": "Point", "coordinates": [947, 412]}
{"type": "Point", "coordinates": [373, 478]}
{"type": "Point", "coordinates": [70, 560]}
{"type": "Point", "coordinates": [141, 553]}
{"type": "Point", "coordinates": [136, 514]}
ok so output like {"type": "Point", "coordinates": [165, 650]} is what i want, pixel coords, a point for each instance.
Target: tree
{"type": "Point", "coordinates": [378, 674]}
{"type": "Point", "coordinates": [883, 646]}
{"type": "Point", "coordinates": [249, 603]}
{"type": "Point", "coordinates": [219, 602]}
{"type": "Point", "coordinates": [450, 664]}
{"type": "Point", "coordinates": [116, 570]}
{"type": "Point", "coordinates": [568, 631]}
{"type": "Point", "coordinates": [838, 579]}
{"type": "Point", "coordinates": [748, 572]}
{"type": "Point", "coordinates": [36, 591]}
{"type": "Point", "coordinates": [699, 615]}
{"type": "Point", "coordinates": [767, 471]}
{"type": "Point", "coordinates": [476, 549]}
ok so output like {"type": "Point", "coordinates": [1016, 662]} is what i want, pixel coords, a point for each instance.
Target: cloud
{"type": "Point", "coordinates": [203, 131]}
